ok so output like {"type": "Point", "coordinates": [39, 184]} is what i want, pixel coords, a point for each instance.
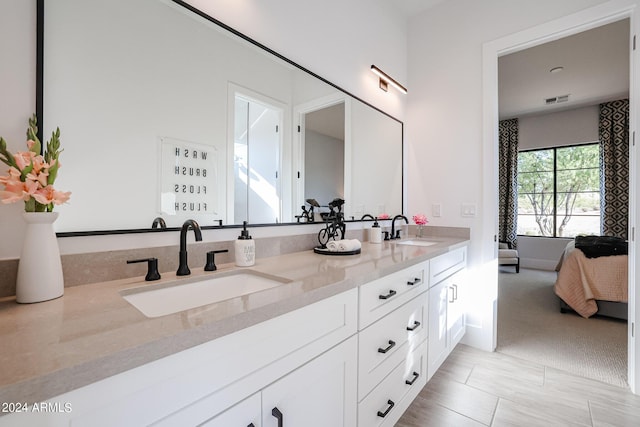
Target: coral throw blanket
{"type": "Point", "coordinates": [581, 280]}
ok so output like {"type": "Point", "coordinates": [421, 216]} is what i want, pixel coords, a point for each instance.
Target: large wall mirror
{"type": "Point", "coordinates": [165, 113]}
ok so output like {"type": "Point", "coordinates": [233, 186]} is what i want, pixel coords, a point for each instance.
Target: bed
{"type": "Point", "coordinates": [592, 277]}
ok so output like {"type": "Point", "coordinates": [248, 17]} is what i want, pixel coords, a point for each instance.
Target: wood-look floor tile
{"type": "Point", "coordinates": [425, 413]}
{"type": "Point", "coordinates": [596, 391]}
{"type": "Point", "coordinates": [457, 367]}
{"type": "Point", "coordinates": [468, 401]}
{"type": "Point", "coordinates": [514, 414]}
{"type": "Point", "coordinates": [520, 394]}
{"type": "Point", "coordinates": [615, 415]}
{"type": "Point", "coordinates": [506, 381]}
{"type": "Point", "coordinates": [528, 394]}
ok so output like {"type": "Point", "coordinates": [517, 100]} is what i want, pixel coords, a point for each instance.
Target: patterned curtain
{"type": "Point", "coordinates": [508, 181]}
{"type": "Point", "coordinates": [614, 166]}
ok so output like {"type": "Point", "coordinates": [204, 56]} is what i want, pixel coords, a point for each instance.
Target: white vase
{"type": "Point", "coordinates": [40, 269]}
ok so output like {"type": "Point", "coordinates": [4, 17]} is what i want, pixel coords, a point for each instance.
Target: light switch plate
{"type": "Point", "coordinates": [436, 210]}
{"type": "Point", "coordinates": [468, 210]}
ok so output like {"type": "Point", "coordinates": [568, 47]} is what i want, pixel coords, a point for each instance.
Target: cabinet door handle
{"type": "Point", "coordinates": [391, 405]}
{"type": "Point", "coordinates": [251, 425]}
{"type": "Point", "coordinates": [413, 380]}
{"type": "Point", "coordinates": [416, 280]}
{"type": "Point", "coordinates": [387, 296]}
{"type": "Point", "coordinates": [452, 295]}
{"type": "Point", "coordinates": [384, 350]}
{"type": "Point", "coordinates": [276, 413]}
{"type": "Point", "coordinates": [415, 325]}
{"type": "Point", "coordinates": [455, 292]}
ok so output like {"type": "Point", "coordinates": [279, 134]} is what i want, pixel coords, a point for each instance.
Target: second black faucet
{"type": "Point", "coordinates": [183, 268]}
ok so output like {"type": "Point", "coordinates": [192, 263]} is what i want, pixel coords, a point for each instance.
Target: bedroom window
{"type": "Point", "coordinates": [559, 191]}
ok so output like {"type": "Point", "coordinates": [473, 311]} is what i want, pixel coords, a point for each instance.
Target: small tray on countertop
{"type": "Point", "coordinates": [324, 251]}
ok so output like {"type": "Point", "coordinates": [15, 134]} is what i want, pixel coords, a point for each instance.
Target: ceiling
{"type": "Point", "coordinates": [412, 7]}
{"type": "Point", "coordinates": [595, 69]}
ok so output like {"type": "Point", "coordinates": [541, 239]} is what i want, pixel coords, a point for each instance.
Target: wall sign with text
{"type": "Point", "coordinates": [188, 178]}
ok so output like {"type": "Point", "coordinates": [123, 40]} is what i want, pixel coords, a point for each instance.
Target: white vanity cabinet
{"type": "Point", "coordinates": [446, 310]}
{"type": "Point", "coordinates": [244, 414]}
{"type": "Point", "coordinates": [220, 378]}
{"type": "Point", "coordinates": [318, 394]}
{"type": "Point", "coordinates": [358, 358]}
{"type": "Point", "coordinates": [392, 345]}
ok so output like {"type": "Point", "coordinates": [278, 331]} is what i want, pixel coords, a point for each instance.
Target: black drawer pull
{"type": "Point", "coordinates": [415, 325]}
{"type": "Point", "coordinates": [276, 413]}
{"type": "Point", "coordinates": [415, 281]}
{"type": "Point", "coordinates": [391, 405]}
{"type": "Point", "coordinates": [384, 350]}
{"type": "Point", "coordinates": [251, 425]}
{"type": "Point", "coordinates": [387, 296]}
{"type": "Point", "coordinates": [413, 380]}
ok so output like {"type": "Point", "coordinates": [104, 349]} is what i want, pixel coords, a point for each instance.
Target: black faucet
{"type": "Point", "coordinates": [183, 269]}
{"type": "Point", "coordinates": [159, 221]}
{"type": "Point", "coordinates": [394, 234]}
{"type": "Point", "coordinates": [366, 216]}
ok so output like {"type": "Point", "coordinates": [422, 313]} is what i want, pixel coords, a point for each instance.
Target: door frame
{"type": "Point", "coordinates": [283, 109]}
{"type": "Point", "coordinates": [587, 19]}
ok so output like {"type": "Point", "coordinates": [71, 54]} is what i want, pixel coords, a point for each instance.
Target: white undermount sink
{"type": "Point", "coordinates": [179, 295]}
{"type": "Point", "coordinates": [418, 242]}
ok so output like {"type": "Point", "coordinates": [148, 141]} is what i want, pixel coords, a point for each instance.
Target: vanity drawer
{"type": "Point", "coordinates": [447, 264]}
{"type": "Point", "coordinates": [382, 296]}
{"type": "Point", "coordinates": [389, 341]}
{"type": "Point", "coordinates": [388, 401]}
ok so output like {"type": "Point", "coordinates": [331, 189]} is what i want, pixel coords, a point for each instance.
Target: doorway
{"type": "Point", "coordinates": [572, 24]}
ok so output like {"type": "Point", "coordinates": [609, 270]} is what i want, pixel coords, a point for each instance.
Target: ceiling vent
{"type": "Point", "coordinates": [556, 99]}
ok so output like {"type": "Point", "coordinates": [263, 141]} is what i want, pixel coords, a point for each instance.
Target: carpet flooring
{"type": "Point", "coordinates": [531, 327]}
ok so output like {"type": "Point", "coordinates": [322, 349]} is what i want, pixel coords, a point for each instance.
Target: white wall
{"type": "Point", "coordinates": [337, 40]}
{"type": "Point", "coordinates": [444, 104]}
{"type": "Point", "coordinates": [17, 95]}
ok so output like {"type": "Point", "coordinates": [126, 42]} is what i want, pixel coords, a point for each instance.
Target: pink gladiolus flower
{"type": "Point", "coordinates": [39, 165]}
{"type": "Point", "coordinates": [383, 216]}
{"type": "Point", "coordinates": [40, 178]}
{"type": "Point", "coordinates": [23, 159]}
{"type": "Point", "coordinates": [420, 219]}
{"type": "Point", "coordinates": [49, 195]}
{"type": "Point", "coordinates": [30, 177]}
{"type": "Point", "coordinates": [16, 190]}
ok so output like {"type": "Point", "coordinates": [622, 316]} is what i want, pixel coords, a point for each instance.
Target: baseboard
{"type": "Point", "coordinates": [538, 264]}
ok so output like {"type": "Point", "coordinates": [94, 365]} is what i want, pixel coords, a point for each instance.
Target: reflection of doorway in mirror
{"type": "Point", "coordinates": [256, 161]}
{"type": "Point", "coordinates": [324, 154]}
{"type": "Point", "coordinates": [322, 151]}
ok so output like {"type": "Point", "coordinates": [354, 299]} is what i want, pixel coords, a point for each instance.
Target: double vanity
{"type": "Point", "coordinates": [301, 339]}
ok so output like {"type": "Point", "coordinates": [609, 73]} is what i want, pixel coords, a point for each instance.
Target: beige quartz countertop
{"type": "Point", "coordinates": [92, 333]}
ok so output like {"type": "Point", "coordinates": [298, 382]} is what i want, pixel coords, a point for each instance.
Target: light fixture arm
{"type": "Point", "coordinates": [386, 80]}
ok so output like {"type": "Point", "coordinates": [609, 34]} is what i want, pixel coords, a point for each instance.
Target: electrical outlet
{"type": "Point", "coordinates": [468, 210]}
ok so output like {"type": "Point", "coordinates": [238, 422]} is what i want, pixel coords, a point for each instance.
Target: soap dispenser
{"type": "Point", "coordinates": [375, 232]}
{"type": "Point", "coordinates": [245, 248]}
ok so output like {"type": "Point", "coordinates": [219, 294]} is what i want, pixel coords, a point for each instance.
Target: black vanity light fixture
{"type": "Point", "coordinates": [386, 80]}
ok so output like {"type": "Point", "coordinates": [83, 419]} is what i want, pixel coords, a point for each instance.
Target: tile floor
{"type": "Point", "coordinates": [477, 388]}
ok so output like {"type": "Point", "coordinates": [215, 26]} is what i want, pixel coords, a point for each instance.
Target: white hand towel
{"type": "Point", "coordinates": [332, 246]}
{"type": "Point", "coordinates": [347, 245]}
